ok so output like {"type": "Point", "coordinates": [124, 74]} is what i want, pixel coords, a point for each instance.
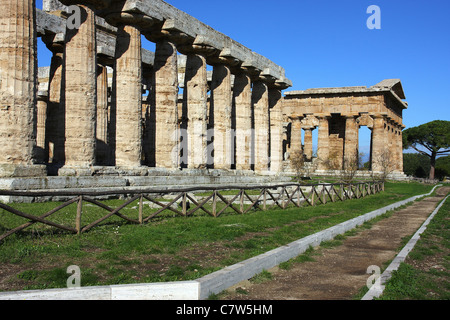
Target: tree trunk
{"type": "Point", "coordinates": [433, 165]}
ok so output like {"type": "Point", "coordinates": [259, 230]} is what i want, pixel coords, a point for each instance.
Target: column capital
{"type": "Point", "coordinates": [309, 121]}
{"type": "Point", "coordinates": [378, 115]}
{"type": "Point", "coordinates": [137, 20]}
{"type": "Point", "coordinates": [322, 116]}
{"type": "Point", "coordinates": [350, 115]}
{"type": "Point", "coordinates": [295, 117]}
{"type": "Point", "coordinates": [365, 120]}
{"type": "Point", "coordinates": [54, 42]}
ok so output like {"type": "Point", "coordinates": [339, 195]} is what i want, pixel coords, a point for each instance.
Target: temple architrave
{"type": "Point", "coordinates": [200, 109]}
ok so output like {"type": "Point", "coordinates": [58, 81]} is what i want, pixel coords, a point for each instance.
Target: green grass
{"type": "Point", "coordinates": [167, 248]}
{"type": "Point", "coordinates": [425, 273]}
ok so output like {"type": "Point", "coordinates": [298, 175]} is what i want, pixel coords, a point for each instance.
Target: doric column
{"type": "Point", "coordinates": [323, 143]}
{"type": "Point", "coordinates": [379, 142]}
{"type": "Point", "coordinates": [242, 96]}
{"type": "Point", "coordinates": [166, 111]}
{"type": "Point", "coordinates": [55, 126]}
{"type": "Point", "coordinates": [128, 85]}
{"type": "Point", "coordinates": [308, 143]}
{"type": "Point", "coordinates": [260, 101]}
{"type": "Point", "coordinates": [296, 135]}
{"type": "Point", "coordinates": [309, 123]}
{"type": "Point", "coordinates": [18, 73]}
{"type": "Point", "coordinates": [400, 148]}
{"type": "Point", "coordinates": [392, 143]}
{"type": "Point", "coordinates": [41, 153]}
{"type": "Point", "coordinates": [102, 151]}
{"type": "Point", "coordinates": [80, 91]}
{"type": "Point", "coordinates": [351, 142]}
{"type": "Point", "coordinates": [396, 148]}
{"type": "Point", "coordinates": [196, 108]}
{"type": "Point", "coordinates": [221, 100]}
{"type": "Point", "coordinates": [276, 130]}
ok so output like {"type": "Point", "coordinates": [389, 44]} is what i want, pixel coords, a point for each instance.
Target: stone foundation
{"type": "Point", "coordinates": [100, 179]}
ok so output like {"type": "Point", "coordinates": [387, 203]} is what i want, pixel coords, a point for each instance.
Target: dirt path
{"type": "Point", "coordinates": [339, 273]}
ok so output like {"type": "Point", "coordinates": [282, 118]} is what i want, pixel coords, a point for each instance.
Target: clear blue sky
{"type": "Point", "coordinates": [326, 43]}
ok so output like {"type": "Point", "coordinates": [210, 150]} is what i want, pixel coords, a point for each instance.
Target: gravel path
{"type": "Point", "coordinates": [338, 273]}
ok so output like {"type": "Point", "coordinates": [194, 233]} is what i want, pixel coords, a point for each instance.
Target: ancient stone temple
{"type": "Point", "coordinates": [201, 106]}
{"type": "Point", "coordinates": [337, 114]}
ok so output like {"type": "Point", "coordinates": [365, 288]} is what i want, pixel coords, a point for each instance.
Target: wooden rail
{"type": "Point", "coordinates": [274, 196]}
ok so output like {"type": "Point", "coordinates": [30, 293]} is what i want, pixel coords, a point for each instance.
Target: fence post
{"type": "Point", "coordinates": [214, 204]}
{"type": "Point", "coordinates": [313, 191]}
{"type": "Point", "coordinates": [264, 199]}
{"type": "Point", "coordinates": [141, 220]}
{"type": "Point", "coordinates": [184, 204]}
{"type": "Point", "coordinates": [324, 201]}
{"type": "Point", "coordinates": [241, 204]}
{"type": "Point", "coordinates": [79, 212]}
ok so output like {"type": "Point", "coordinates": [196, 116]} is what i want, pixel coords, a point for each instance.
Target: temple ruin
{"type": "Point", "coordinates": [202, 105]}
{"type": "Point", "coordinates": [338, 113]}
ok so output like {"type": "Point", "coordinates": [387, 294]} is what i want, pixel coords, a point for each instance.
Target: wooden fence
{"type": "Point", "coordinates": [184, 203]}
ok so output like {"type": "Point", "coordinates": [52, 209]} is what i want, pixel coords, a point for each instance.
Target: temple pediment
{"type": "Point", "coordinates": [394, 85]}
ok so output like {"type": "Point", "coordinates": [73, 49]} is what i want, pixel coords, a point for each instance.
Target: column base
{"type": "Point", "coordinates": [21, 170]}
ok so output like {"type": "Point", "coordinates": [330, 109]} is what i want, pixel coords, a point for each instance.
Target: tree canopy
{"type": "Point", "coordinates": [431, 139]}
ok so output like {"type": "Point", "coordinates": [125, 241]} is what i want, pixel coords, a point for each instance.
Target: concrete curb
{"type": "Point", "coordinates": [377, 289]}
{"type": "Point", "coordinates": [213, 283]}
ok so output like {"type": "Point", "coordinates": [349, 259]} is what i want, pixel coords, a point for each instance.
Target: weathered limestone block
{"type": "Point", "coordinates": [81, 91]}
{"type": "Point", "coordinates": [196, 108]}
{"type": "Point", "coordinates": [166, 110]}
{"type": "Point", "coordinates": [220, 110]}
{"type": "Point", "coordinates": [242, 96]}
{"type": "Point", "coordinates": [260, 101]}
{"type": "Point", "coordinates": [128, 97]}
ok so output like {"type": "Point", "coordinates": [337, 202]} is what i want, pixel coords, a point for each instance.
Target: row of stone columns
{"type": "Point", "coordinates": [386, 140]}
{"type": "Point", "coordinates": [245, 114]}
